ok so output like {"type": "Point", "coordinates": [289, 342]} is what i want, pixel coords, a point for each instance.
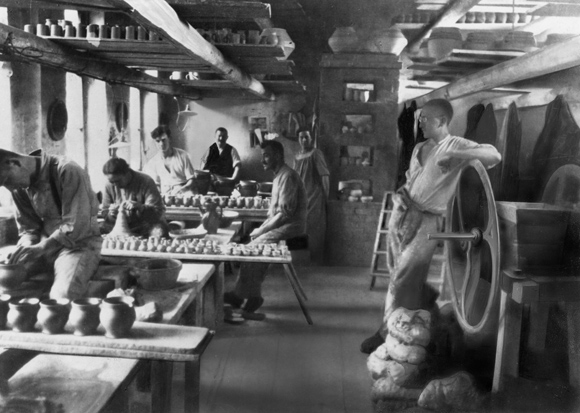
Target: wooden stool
{"type": "Point", "coordinates": [298, 247]}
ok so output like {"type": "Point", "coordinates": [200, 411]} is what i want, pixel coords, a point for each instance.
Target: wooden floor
{"type": "Point", "coordinates": [282, 364]}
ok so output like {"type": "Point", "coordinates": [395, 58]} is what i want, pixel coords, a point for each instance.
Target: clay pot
{"type": "Point", "coordinates": [247, 188]}
{"type": "Point", "coordinates": [389, 41]}
{"type": "Point", "coordinates": [157, 273]}
{"type": "Point", "coordinates": [84, 316]}
{"type": "Point", "coordinates": [519, 40]}
{"type": "Point", "coordinates": [480, 41]}
{"type": "Point", "coordinates": [443, 40]}
{"type": "Point", "coordinates": [11, 276]}
{"type": "Point", "coordinates": [22, 314]}
{"type": "Point", "coordinates": [4, 300]}
{"type": "Point", "coordinates": [282, 39]}
{"type": "Point", "coordinates": [265, 187]}
{"type": "Point", "coordinates": [344, 40]}
{"type": "Point", "coordinates": [117, 316]}
{"type": "Point", "coordinates": [53, 315]}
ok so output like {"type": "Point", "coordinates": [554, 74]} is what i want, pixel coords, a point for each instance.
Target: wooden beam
{"type": "Point", "coordinates": [31, 48]}
{"type": "Point", "coordinates": [158, 16]}
{"type": "Point", "coordinates": [221, 9]}
{"type": "Point", "coordinates": [550, 59]}
{"type": "Point", "coordinates": [91, 5]}
{"type": "Point", "coordinates": [449, 14]}
{"type": "Point", "coordinates": [560, 10]}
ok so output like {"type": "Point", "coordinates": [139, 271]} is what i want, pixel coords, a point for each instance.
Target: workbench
{"type": "Point", "coordinates": [90, 373]}
{"type": "Point", "coordinates": [537, 288]}
{"type": "Point", "coordinates": [194, 214]}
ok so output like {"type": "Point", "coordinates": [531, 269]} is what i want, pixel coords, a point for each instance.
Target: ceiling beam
{"type": "Point", "coordinates": [549, 59]}
{"type": "Point", "coordinates": [31, 48]}
{"type": "Point", "coordinates": [448, 15]}
{"type": "Point", "coordinates": [160, 17]}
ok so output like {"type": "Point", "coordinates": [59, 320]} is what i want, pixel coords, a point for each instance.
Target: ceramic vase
{"type": "Point", "coordinates": [84, 316]}
{"type": "Point", "coordinates": [344, 40]}
{"type": "Point", "coordinates": [11, 276]}
{"type": "Point", "coordinates": [117, 316]}
{"type": "Point", "coordinates": [53, 315]}
{"type": "Point", "coordinates": [22, 314]}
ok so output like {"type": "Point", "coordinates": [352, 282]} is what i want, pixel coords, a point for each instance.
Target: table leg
{"type": "Point", "coordinates": [161, 381]}
{"type": "Point", "coordinates": [298, 283]}
{"type": "Point", "coordinates": [191, 386]}
{"type": "Point", "coordinates": [297, 293]}
{"type": "Point", "coordinates": [213, 298]}
{"type": "Point", "coordinates": [507, 355]}
{"type": "Point", "coordinates": [573, 314]}
{"type": "Point", "coordinates": [538, 325]}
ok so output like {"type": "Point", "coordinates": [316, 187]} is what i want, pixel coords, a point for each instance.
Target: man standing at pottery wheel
{"type": "Point", "coordinates": [135, 195]}
{"type": "Point", "coordinates": [56, 213]}
{"type": "Point", "coordinates": [418, 209]}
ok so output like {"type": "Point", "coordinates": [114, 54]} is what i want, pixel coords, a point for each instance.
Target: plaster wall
{"type": "Point", "coordinates": [199, 133]}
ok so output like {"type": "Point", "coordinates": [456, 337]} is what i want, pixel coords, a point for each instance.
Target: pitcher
{"type": "Point", "coordinates": [211, 218]}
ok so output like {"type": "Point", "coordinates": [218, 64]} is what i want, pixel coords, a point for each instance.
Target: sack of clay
{"type": "Point", "coordinates": [386, 388]}
{"type": "Point", "coordinates": [410, 326]}
{"type": "Point", "coordinates": [405, 353]}
{"type": "Point", "coordinates": [457, 392]}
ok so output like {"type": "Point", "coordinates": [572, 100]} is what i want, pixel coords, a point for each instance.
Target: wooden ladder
{"type": "Point", "coordinates": [378, 265]}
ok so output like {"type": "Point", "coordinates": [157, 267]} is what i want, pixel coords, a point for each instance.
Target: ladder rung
{"type": "Point", "coordinates": [383, 231]}
{"type": "Point", "coordinates": [380, 252]}
{"type": "Point", "coordinates": [377, 273]}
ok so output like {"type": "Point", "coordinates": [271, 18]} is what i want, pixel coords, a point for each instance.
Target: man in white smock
{"type": "Point", "coordinates": [419, 206]}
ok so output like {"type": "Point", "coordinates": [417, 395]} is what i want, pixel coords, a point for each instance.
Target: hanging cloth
{"type": "Point", "coordinates": [473, 117]}
{"type": "Point", "coordinates": [486, 130]}
{"type": "Point", "coordinates": [407, 127]}
{"type": "Point", "coordinates": [505, 177]}
{"type": "Point", "coordinates": [557, 145]}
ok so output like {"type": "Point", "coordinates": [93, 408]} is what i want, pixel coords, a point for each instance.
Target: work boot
{"type": "Point", "coordinates": [372, 343]}
{"type": "Point", "coordinates": [232, 299]}
{"type": "Point", "coordinates": [249, 309]}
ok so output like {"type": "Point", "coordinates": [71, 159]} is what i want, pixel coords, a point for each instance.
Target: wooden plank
{"type": "Point", "coordinates": [248, 51]}
{"type": "Point", "coordinates": [94, 5]}
{"type": "Point", "coordinates": [360, 60]}
{"type": "Point", "coordinates": [158, 16]}
{"type": "Point", "coordinates": [572, 317]}
{"type": "Point", "coordinates": [196, 257]}
{"type": "Point", "coordinates": [559, 9]}
{"type": "Point", "coordinates": [48, 53]}
{"type": "Point", "coordinates": [221, 9]}
{"type": "Point", "coordinates": [146, 341]}
{"type": "Point", "coordinates": [187, 213]}
{"type": "Point", "coordinates": [549, 59]}
{"type": "Point", "coordinates": [68, 381]}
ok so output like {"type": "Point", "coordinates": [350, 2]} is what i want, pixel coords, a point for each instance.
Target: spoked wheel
{"type": "Point", "coordinates": [473, 250]}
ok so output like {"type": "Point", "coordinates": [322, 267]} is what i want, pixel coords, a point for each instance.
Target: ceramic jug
{"type": "Point", "coordinates": [211, 216]}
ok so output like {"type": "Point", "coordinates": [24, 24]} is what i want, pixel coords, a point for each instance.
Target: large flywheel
{"type": "Point", "coordinates": [473, 249]}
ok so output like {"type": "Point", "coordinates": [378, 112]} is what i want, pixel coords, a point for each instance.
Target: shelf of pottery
{"type": "Point", "coordinates": [138, 47]}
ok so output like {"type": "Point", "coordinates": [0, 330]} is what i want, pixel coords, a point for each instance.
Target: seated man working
{"type": "Point", "coordinates": [286, 219]}
{"type": "Point", "coordinates": [170, 167]}
{"type": "Point", "coordinates": [136, 194]}
{"type": "Point", "coordinates": [222, 159]}
{"type": "Point", "coordinates": [56, 212]}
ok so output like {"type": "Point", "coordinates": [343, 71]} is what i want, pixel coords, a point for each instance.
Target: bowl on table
{"type": "Point", "coordinates": [157, 273]}
{"type": "Point", "coordinates": [227, 218]}
{"type": "Point", "coordinates": [189, 233]}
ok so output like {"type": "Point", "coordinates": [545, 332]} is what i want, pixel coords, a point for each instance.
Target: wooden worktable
{"type": "Point", "coordinates": [537, 288]}
{"type": "Point", "coordinates": [194, 214]}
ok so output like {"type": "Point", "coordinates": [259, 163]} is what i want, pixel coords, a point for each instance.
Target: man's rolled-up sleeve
{"type": "Point", "coordinates": [77, 215]}
{"type": "Point", "coordinates": [288, 201]}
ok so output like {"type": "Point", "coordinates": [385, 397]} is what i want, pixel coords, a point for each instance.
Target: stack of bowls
{"type": "Point", "coordinates": [443, 40]}
{"type": "Point", "coordinates": [480, 41]}
{"type": "Point", "coordinates": [554, 38]}
{"type": "Point", "coordinates": [519, 41]}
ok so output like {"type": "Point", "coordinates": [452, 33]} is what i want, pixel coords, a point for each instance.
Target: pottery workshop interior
{"type": "Point", "coordinates": [243, 206]}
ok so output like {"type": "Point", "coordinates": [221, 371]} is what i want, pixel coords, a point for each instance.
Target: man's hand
{"type": "Point", "coordinates": [28, 253]}
{"type": "Point", "coordinates": [132, 207]}
{"type": "Point", "coordinates": [256, 233]}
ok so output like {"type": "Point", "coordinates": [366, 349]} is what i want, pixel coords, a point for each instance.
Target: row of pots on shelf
{"type": "Point", "coordinates": [469, 17]}
{"type": "Point", "coordinates": [115, 314]}
{"type": "Point", "coordinates": [101, 31]}
{"type": "Point", "coordinates": [248, 202]}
